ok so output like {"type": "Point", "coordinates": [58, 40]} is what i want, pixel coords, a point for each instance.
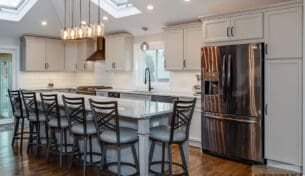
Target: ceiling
{"type": "Point", "coordinates": [166, 12]}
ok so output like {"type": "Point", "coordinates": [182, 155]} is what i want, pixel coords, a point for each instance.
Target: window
{"type": "Point", "coordinates": [15, 10]}
{"type": "Point", "coordinates": [154, 60]}
{"type": "Point", "coordinates": [118, 8]}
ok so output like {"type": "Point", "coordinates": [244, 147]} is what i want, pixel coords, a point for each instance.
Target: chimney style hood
{"type": "Point", "coordinates": [99, 54]}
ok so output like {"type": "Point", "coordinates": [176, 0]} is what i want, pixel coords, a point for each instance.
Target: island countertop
{"type": "Point", "coordinates": [135, 109]}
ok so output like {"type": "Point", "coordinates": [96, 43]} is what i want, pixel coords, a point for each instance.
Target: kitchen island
{"type": "Point", "coordinates": [139, 114]}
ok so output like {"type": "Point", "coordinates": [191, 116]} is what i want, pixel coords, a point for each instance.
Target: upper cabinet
{"type": "Point", "coordinates": [241, 27]}
{"type": "Point", "coordinates": [183, 48]}
{"type": "Point", "coordinates": [76, 53]}
{"type": "Point", "coordinates": [119, 52]}
{"type": "Point", "coordinates": [42, 54]}
{"type": "Point", "coordinates": [283, 33]}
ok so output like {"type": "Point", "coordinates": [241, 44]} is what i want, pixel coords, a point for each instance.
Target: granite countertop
{"type": "Point", "coordinates": [153, 92]}
{"type": "Point", "coordinates": [135, 109]}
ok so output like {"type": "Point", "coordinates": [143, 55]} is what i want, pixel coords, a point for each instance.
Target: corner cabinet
{"type": "Point", "coordinates": [183, 48]}
{"type": "Point", "coordinates": [235, 27]}
{"type": "Point", "coordinates": [119, 52]}
{"type": "Point", "coordinates": [283, 118]}
{"type": "Point", "coordinates": [76, 53]}
{"type": "Point", "coordinates": [42, 54]}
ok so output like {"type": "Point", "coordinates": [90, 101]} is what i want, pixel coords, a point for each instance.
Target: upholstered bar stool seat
{"type": "Point", "coordinates": [64, 123]}
{"type": "Point", "coordinates": [127, 135]}
{"type": "Point", "coordinates": [162, 133]}
{"type": "Point", "coordinates": [80, 130]}
{"type": "Point", "coordinates": [41, 118]}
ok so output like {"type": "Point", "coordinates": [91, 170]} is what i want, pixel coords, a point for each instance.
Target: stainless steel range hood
{"type": "Point", "coordinates": [99, 54]}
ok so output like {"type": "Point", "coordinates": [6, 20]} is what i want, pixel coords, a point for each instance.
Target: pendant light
{"type": "Point", "coordinates": [99, 27]}
{"type": "Point", "coordinates": [80, 29]}
{"type": "Point", "coordinates": [64, 32]}
{"type": "Point", "coordinates": [144, 45]}
{"type": "Point", "coordinates": [72, 29]}
{"type": "Point", "coordinates": [89, 29]}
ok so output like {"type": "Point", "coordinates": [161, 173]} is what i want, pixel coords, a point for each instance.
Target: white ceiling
{"type": "Point", "coordinates": [167, 12]}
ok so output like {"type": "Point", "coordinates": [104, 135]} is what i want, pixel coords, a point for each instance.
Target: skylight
{"type": "Point", "coordinates": [11, 4]}
{"type": "Point", "coordinates": [15, 10]}
{"type": "Point", "coordinates": [118, 8]}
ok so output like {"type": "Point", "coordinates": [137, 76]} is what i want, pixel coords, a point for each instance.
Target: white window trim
{"type": "Point", "coordinates": [139, 70]}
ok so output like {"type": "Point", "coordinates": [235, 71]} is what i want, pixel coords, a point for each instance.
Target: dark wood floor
{"type": "Point", "coordinates": [14, 164]}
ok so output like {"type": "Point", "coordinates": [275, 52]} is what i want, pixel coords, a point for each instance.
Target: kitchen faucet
{"type": "Point", "coordinates": [149, 79]}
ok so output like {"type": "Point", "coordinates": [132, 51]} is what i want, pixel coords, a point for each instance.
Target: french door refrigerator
{"type": "Point", "coordinates": [232, 101]}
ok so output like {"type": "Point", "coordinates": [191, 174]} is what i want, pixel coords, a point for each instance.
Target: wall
{"type": "Point", "coordinates": [179, 82]}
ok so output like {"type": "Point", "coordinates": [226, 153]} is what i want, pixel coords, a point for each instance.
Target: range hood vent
{"type": "Point", "coordinates": [99, 54]}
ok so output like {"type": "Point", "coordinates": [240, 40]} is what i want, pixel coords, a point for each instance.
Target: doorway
{"type": "Point", "coordinates": [5, 84]}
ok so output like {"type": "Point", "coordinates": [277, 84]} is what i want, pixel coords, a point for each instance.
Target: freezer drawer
{"type": "Point", "coordinates": [232, 136]}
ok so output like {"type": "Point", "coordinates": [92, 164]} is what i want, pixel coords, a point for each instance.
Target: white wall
{"type": "Point", "coordinates": [179, 81]}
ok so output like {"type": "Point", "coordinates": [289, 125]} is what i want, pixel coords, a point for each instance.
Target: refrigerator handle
{"type": "Point", "coordinates": [224, 77]}
{"type": "Point", "coordinates": [229, 72]}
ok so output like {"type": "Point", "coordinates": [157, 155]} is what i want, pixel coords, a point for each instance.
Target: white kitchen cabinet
{"type": "Point", "coordinates": [85, 49]}
{"type": "Point", "coordinates": [42, 54]}
{"type": "Point", "coordinates": [216, 30]}
{"type": "Point", "coordinates": [283, 33]}
{"type": "Point", "coordinates": [174, 50]}
{"type": "Point", "coordinates": [195, 128]}
{"type": "Point", "coordinates": [119, 52]}
{"type": "Point", "coordinates": [71, 56]}
{"type": "Point", "coordinates": [247, 26]}
{"type": "Point", "coordinates": [55, 57]}
{"type": "Point", "coordinates": [192, 48]}
{"type": "Point", "coordinates": [283, 119]}
{"type": "Point", "coordinates": [231, 28]}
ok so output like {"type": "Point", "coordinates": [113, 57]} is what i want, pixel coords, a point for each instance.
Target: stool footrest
{"type": "Point", "coordinates": [166, 162]}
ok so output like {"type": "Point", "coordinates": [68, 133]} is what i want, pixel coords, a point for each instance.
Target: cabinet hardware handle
{"type": "Point", "coordinates": [184, 63]}
{"type": "Point", "coordinates": [266, 109]}
{"type": "Point", "coordinates": [232, 31]}
{"type": "Point", "coordinates": [75, 66]}
{"type": "Point", "coordinates": [45, 65]}
{"type": "Point", "coordinates": [228, 28]}
{"type": "Point", "coordinates": [114, 65]}
{"type": "Point", "coordinates": [266, 49]}
{"type": "Point", "coordinates": [85, 66]}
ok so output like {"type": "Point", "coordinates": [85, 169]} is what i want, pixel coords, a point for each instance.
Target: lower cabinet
{"type": "Point", "coordinates": [283, 111]}
{"type": "Point", "coordinates": [195, 129]}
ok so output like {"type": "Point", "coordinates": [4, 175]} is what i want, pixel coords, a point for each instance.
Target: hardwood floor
{"type": "Point", "coordinates": [14, 164]}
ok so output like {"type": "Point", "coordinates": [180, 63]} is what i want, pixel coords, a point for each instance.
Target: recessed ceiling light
{"type": "Point", "coordinates": [84, 22]}
{"type": "Point", "coordinates": [150, 7]}
{"type": "Point", "coordinates": [105, 18]}
{"type": "Point", "coordinates": [187, 0]}
{"type": "Point", "coordinates": [44, 23]}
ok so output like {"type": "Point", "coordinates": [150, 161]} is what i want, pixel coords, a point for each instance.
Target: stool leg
{"type": "Point", "coordinates": [15, 131]}
{"type": "Point", "coordinates": [65, 139]}
{"type": "Point", "coordinates": [38, 142]}
{"type": "Point", "coordinates": [163, 158]}
{"type": "Point", "coordinates": [151, 152]}
{"type": "Point", "coordinates": [49, 145]}
{"type": "Point", "coordinates": [61, 147]}
{"type": "Point", "coordinates": [30, 137]}
{"type": "Point", "coordinates": [90, 148]}
{"type": "Point", "coordinates": [135, 158]}
{"type": "Point", "coordinates": [103, 159]}
{"type": "Point", "coordinates": [184, 163]}
{"type": "Point", "coordinates": [119, 160]}
{"type": "Point", "coordinates": [47, 132]}
{"type": "Point", "coordinates": [169, 150]}
{"type": "Point", "coordinates": [22, 131]}
{"type": "Point", "coordinates": [73, 152]}
{"type": "Point", "coordinates": [85, 156]}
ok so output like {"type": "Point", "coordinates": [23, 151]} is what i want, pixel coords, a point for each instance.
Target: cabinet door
{"type": "Point", "coordinates": [283, 120]}
{"type": "Point", "coordinates": [174, 50]}
{"type": "Point", "coordinates": [85, 49]}
{"type": "Point", "coordinates": [192, 48]}
{"type": "Point", "coordinates": [247, 27]}
{"type": "Point", "coordinates": [115, 53]}
{"type": "Point", "coordinates": [195, 129]}
{"type": "Point", "coordinates": [35, 54]}
{"type": "Point", "coordinates": [55, 58]}
{"type": "Point", "coordinates": [283, 30]}
{"type": "Point", "coordinates": [216, 30]}
{"type": "Point", "coordinates": [71, 55]}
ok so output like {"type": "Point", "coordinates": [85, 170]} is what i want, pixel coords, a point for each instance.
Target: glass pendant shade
{"type": "Point", "coordinates": [80, 32]}
{"type": "Point", "coordinates": [72, 34]}
{"type": "Point", "coordinates": [99, 30]}
{"type": "Point", "coordinates": [90, 31]}
{"type": "Point", "coordinates": [64, 34]}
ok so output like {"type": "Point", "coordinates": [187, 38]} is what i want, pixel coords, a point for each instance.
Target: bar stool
{"type": "Point", "coordinates": [176, 133]}
{"type": "Point", "coordinates": [110, 133]}
{"type": "Point", "coordinates": [56, 122]}
{"type": "Point", "coordinates": [36, 119]}
{"type": "Point", "coordinates": [82, 128]}
{"type": "Point", "coordinates": [19, 114]}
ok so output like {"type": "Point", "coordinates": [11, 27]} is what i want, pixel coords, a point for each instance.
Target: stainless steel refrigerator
{"type": "Point", "coordinates": [232, 101]}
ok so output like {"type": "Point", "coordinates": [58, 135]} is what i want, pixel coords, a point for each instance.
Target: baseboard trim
{"type": "Point", "coordinates": [195, 142]}
{"type": "Point", "coordinates": [285, 166]}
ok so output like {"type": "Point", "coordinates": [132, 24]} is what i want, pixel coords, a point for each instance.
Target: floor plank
{"type": "Point", "coordinates": [14, 164]}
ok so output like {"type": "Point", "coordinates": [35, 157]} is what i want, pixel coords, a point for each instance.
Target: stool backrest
{"type": "Point", "coordinates": [16, 102]}
{"type": "Point", "coordinates": [106, 116]}
{"type": "Point", "coordinates": [182, 116]}
{"type": "Point", "coordinates": [50, 107]}
{"type": "Point", "coordinates": [30, 104]}
{"type": "Point", "coordinates": [75, 111]}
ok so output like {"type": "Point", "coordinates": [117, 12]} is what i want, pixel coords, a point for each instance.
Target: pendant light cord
{"type": "Point", "coordinates": [72, 13]}
{"type": "Point", "coordinates": [65, 14]}
{"type": "Point", "coordinates": [80, 12]}
{"type": "Point", "coordinates": [89, 12]}
{"type": "Point", "coordinates": [99, 12]}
